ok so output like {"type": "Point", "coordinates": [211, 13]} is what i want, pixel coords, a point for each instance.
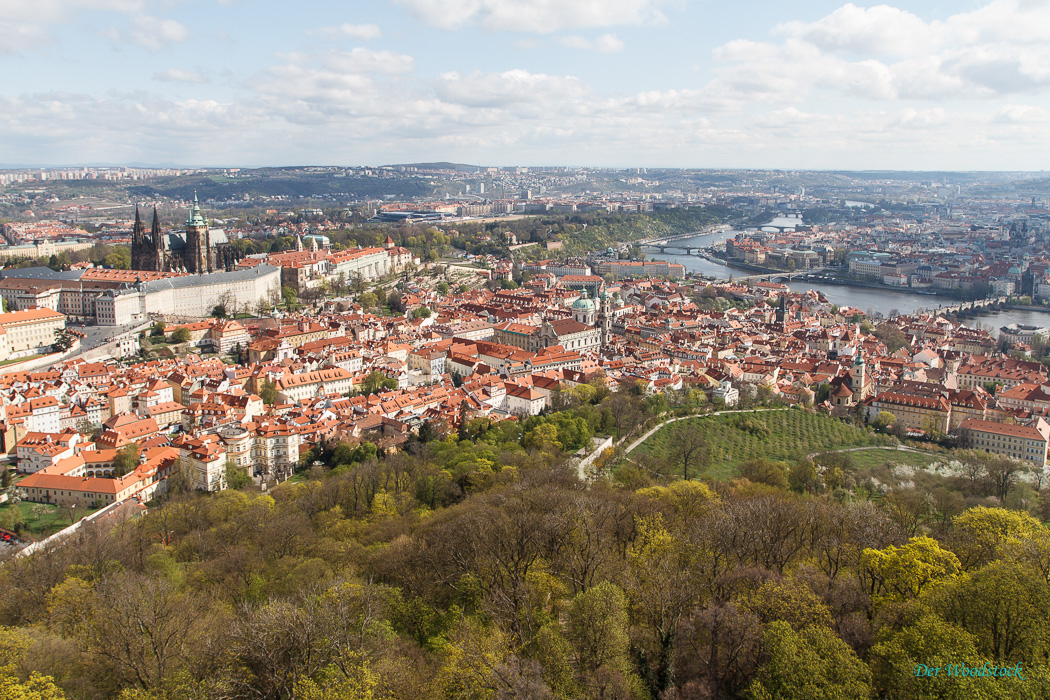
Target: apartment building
{"type": "Point", "coordinates": [1027, 443]}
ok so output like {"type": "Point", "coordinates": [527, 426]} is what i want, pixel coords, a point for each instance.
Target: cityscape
{"type": "Point", "coordinates": [439, 350]}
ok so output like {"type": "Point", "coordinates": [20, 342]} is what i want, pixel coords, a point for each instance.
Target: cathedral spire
{"type": "Point", "coordinates": [136, 234]}
{"type": "Point", "coordinates": [196, 218]}
{"type": "Point", "coordinates": [155, 229]}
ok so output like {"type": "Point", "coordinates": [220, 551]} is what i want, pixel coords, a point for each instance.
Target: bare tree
{"type": "Point", "coordinates": [142, 629]}
{"type": "Point", "coordinates": [1002, 473]}
{"type": "Point", "coordinates": [690, 448]}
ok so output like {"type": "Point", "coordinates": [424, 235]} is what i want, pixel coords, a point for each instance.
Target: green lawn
{"type": "Point", "coordinates": [38, 520]}
{"type": "Point", "coordinates": [730, 440]}
{"type": "Point", "coordinates": [19, 359]}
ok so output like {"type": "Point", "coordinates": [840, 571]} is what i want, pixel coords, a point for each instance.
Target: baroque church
{"type": "Point", "coordinates": [196, 251]}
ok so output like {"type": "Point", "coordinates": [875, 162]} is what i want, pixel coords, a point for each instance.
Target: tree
{"type": "Point", "coordinates": [376, 381]}
{"type": "Point", "coordinates": [837, 469]}
{"type": "Point", "coordinates": [369, 300]}
{"type": "Point", "coordinates": [810, 663]}
{"type": "Point", "coordinates": [14, 657]}
{"type": "Point", "coordinates": [37, 687]}
{"type": "Point", "coordinates": [219, 311]}
{"type": "Point", "coordinates": [1005, 606]}
{"type": "Point", "coordinates": [804, 477]}
{"type": "Point", "coordinates": [982, 535]}
{"type": "Point", "coordinates": [884, 420]}
{"type": "Point", "coordinates": [141, 629]}
{"type": "Point", "coordinates": [180, 480]}
{"type": "Point", "coordinates": [891, 335]}
{"type": "Point", "coordinates": [427, 432]}
{"type": "Point", "coordinates": [1003, 472]}
{"type": "Point", "coordinates": [119, 259]}
{"type": "Point", "coordinates": [350, 678]}
{"type": "Point", "coordinates": [268, 392]}
{"type": "Point", "coordinates": [662, 589]}
{"type": "Point", "coordinates": [764, 471]}
{"type": "Point", "coordinates": [290, 297]}
{"type": "Point", "coordinates": [905, 572]}
{"type": "Point", "coordinates": [236, 477]}
{"type": "Point", "coordinates": [357, 283]}
{"type": "Point", "coordinates": [126, 459]}
{"type": "Point", "coordinates": [180, 335]}
{"type": "Point", "coordinates": [598, 632]}
{"type": "Point", "coordinates": [63, 340]}
{"type": "Point", "coordinates": [934, 643]}
{"type": "Point", "coordinates": [689, 448]}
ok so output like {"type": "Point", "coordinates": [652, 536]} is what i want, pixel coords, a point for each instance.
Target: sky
{"type": "Point", "coordinates": [604, 83]}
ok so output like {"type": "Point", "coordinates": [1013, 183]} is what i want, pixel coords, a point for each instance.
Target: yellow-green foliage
{"type": "Point", "coordinates": [900, 573]}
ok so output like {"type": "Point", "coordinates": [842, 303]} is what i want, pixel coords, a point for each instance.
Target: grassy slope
{"type": "Point", "coordinates": [783, 435]}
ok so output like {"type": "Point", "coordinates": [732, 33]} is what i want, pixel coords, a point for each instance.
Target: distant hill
{"type": "Point", "coordinates": [276, 183]}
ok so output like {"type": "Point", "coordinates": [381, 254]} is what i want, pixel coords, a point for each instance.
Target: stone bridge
{"type": "Point", "coordinates": [969, 305]}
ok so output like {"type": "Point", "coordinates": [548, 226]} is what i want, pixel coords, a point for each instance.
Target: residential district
{"type": "Point", "coordinates": [213, 356]}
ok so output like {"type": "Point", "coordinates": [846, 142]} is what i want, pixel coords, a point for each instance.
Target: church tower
{"type": "Point", "coordinates": [198, 245]}
{"type": "Point", "coordinates": [158, 262]}
{"type": "Point", "coordinates": [605, 317]}
{"type": "Point", "coordinates": [138, 240]}
{"type": "Point", "coordinates": [859, 376]}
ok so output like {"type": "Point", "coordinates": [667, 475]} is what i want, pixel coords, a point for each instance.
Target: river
{"type": "Point", "coordinates": [867, 300]}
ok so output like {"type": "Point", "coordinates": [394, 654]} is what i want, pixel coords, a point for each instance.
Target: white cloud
{"type": "Point", "coordinates": [1021, 114]}
{"type": "Point", "coordinates": [291, 109]}
{"type": "Point", "coordinates": [55, 11]}
{"type": "Point", "coordinates": [843, 91]}
{"type": "Point", "coordinates": [15, 37]}
{"type": "Point", "coordinates": [879, 30]}
{"type": "Point", "coordinates": [26, 24]}
{"type": "Point", "coordinates": [538, 16]}
{"type": "Point", "coordinates": [364, 32]}
{"type": "Point", "coordinates": [518, 89]}
{"type": "Point", "coordinates": [886, 53]}
{"type": "Point", "coordinates": [606, 43]}
{"type": "Point", "coordinates": [360, 60]}
{"type": "Point", "coordinates": [177, 75]}
{"type": "Point", "coordinates": [921, 118]}
{"type": "Point", "coordinates": [153, 33]}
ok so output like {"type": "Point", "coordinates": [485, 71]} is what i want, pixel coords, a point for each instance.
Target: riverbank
{"type": "Point", "coordinates": [869, 297]}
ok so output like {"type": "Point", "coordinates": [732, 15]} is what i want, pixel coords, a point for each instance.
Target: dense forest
{"type": "Point", "coordinates": [476, 564]}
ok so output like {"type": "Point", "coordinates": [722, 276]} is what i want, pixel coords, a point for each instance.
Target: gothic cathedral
{"type": "Point", "coordinates": [194, 251]}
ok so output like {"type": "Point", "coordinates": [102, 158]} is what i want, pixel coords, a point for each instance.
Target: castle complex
{"type": "Point", "coordinates": [197, 251]}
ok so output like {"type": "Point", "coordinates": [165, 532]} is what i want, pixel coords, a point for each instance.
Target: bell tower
{"type": "Point", "coordinates": [198, 245]}
{"type": "Point", "coordinates": [859, 376]}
